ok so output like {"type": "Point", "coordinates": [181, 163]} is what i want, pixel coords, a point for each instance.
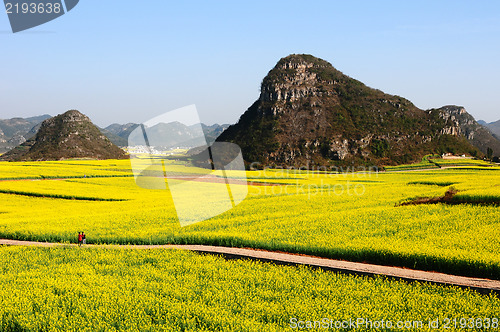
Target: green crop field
{"type": "Point", "coordinates": [73, 289]}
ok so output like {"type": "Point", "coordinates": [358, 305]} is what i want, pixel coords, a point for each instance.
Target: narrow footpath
{"type": "Point", "coordinates": [478, 284]}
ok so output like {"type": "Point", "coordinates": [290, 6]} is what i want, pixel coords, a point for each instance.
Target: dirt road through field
{"type": "Point", "coordinates": [479, 284]}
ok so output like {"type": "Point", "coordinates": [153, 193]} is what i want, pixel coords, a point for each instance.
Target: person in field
{"type": "Point", "coordinates": [80, 238]}
{"type": "Point", "coordinates": [84, 238]}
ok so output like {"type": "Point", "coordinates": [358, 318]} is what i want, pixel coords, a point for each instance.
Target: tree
{"type": "Point", "coordinates": [380, 147]}
{"type": "Point", "coordinates": [489, 153]}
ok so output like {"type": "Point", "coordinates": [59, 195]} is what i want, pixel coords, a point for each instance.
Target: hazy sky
{"type": "Point", "coordinates": [129, 61]}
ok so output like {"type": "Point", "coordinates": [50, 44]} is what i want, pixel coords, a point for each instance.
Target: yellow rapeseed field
{"type": "Point", "coordinates": [352, 216]}
{"type": "Point", "coordinates": [83, 289]}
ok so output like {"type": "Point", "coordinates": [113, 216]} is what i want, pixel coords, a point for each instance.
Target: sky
{"type": "Point", "coordinates": [128, 61]}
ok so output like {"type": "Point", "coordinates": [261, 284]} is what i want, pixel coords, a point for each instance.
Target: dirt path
{"type": "Point", "coordinates": [481, 285]}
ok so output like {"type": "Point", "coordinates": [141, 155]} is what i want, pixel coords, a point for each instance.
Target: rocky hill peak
{"type": "Point", "coordinates": [74, 116]}
{"type": "Point", "coordinates": [66, 121]}
{"type": "Point", "coordinates": [68, 135]}
{"type": "Point", "coordinates": [295, 77]}
{"type": "Point", "coordinates": [309, 113]}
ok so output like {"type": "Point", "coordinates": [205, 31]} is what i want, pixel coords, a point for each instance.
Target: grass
{"type": "Point", "coordinates": [346, 216]}
{"type": "Point", "coordinates": [72, 289]}
{"type": "Point", "coordinates": [424, 164]}
{"type": "Point", "coordinates": [432, 183]}
{"type": "Point", "coordinates": [431, 162]}
{"type": "Point", "coordinates": [477, 199]}
{"type": "Point", "coordinates": [461, 162]}
{"type": "Point", "coordinates": [70, 197]}
{"type": "Point", "coordinates": [42, 177]}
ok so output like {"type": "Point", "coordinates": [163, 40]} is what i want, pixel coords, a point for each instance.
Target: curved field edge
{"type": "Point", "coordinates": [154, 290]}
{"type": "Point", "coordinates": [454, 266]}
{"type": "Point", "coordinates": [55, 196]}
{"type": "Point", "coordinates": [56, 177]}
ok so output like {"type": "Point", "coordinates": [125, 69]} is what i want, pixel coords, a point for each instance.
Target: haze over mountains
{"type": "Point", "coordinates": [14, 132]}
{"type": "Point", "coordinates": [309, 113]}
{"type": "Point", "coordinates": [174, 132]}
{"type": "Point", "coordinates": [494, 127]}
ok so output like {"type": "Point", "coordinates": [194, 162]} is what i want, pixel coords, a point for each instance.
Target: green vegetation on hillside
{"type": "Point", "coordinates": [309, 113]}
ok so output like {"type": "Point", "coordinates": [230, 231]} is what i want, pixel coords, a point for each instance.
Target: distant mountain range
{"type": "Point", "coordinates": [173, 132]}
{"type": "Point", "coordinates": [118, 134]}
{"type": "Point", "coordinates": [16, 131]}
{"type": "Point", "coordinates": [66, 136]}
{"type": "Point", "coordinates": [310, 114]}
{"type": "Point", "coordinates": [494, 127]}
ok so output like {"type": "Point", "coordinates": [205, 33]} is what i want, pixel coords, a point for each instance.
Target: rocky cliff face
{"type": "Point", "coordinates": [69, 135]}
{"type": "Point", "coordinates": [13, 131]}
{"type": "Point", "coordinates": [309, 113]}
{"type": "Point", "coordinates": [460, 123]}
